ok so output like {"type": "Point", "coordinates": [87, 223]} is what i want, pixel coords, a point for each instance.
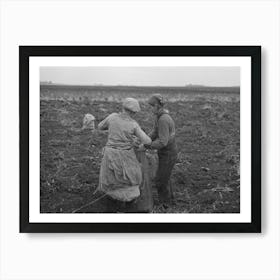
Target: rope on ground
{"type": "Point", "coordinates": [90, 203]}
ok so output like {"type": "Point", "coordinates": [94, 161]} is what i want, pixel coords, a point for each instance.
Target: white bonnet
{"type": "Point", "coordinates": [131, 104]}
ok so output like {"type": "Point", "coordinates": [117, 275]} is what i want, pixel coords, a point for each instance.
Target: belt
{"type": "Point", "coordinates": [118, 148]}
{"type": "Point", "coordinates": [170, 146]}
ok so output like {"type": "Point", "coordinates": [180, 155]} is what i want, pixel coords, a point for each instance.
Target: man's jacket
{"type": "Point", "coordinates": [163, 133]}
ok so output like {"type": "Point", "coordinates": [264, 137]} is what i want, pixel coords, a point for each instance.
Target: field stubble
{"type": "Point", "coordinates": [205, 178]}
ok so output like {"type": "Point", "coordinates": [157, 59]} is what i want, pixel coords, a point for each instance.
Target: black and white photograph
{"type": "Point", "coordinates": [141, 137]}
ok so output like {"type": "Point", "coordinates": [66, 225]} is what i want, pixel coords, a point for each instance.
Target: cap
{"type": "Point", "coordinates": [156, 99]}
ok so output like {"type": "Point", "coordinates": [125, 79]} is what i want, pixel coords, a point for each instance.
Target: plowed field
{"type": "Point", "coordinates": [205, 178]}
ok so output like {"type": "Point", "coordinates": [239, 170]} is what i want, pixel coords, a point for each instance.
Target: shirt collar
{"type": "Point", "coordinates": [162, 111]}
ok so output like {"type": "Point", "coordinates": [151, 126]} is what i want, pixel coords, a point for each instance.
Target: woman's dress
{"type": "Point", "coordinates": [121, 173]}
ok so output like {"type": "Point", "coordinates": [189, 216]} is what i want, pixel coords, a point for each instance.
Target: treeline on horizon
{"type": "Point", "coordinates": [139, 89]}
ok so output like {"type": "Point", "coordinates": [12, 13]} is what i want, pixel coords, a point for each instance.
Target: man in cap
{"type": "Point", "coordinates": [163, 140]}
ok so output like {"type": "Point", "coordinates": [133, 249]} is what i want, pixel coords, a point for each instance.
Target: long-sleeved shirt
{"type": "Point", "coordinates": [163, 132]}
{"type": "Point", "coordinates": [122, 128]}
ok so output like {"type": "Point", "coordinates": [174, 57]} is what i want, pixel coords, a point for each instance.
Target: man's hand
{"type": "Point", "coordinates": [147, 146]}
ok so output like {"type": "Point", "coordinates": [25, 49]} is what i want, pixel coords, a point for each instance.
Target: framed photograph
{"type": "Point", "coordinates": [140, 138]}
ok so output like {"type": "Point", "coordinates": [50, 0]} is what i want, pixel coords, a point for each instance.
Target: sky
{"type": "Point", "coordinates": [142, 76]}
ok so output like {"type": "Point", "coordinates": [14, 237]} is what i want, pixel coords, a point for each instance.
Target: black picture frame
{"type": "Point", "coordinates": [25, 52]}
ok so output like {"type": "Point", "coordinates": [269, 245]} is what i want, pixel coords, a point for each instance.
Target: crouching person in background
{"type": "Point", "coordinates": [88, 122]}
{"type": "Point", "coordinates": [163, 140]}
{"type": "Point", "coordinates": [120, 173]}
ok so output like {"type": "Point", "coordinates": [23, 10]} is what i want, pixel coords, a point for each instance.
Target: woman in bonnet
{"type": "Point", "coordinates": [120, 173]}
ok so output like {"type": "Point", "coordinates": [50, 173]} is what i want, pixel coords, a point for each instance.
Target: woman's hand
{"type": "Point", "coordinates": [136, 142]}
{"type": "Point", "coordinates": [141, 148]}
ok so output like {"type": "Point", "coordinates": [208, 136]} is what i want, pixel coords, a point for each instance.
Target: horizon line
{"type": "Point", "coordinates": [122, 85]}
